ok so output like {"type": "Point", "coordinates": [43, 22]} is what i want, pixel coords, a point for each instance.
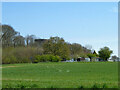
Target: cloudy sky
{"type": "Point", "coordinates": [85, 23]}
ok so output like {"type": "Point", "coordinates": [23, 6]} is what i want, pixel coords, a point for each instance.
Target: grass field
{"type": "Point", "coordinates": [61, 75]}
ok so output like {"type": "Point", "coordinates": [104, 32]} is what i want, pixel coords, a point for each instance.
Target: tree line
{"type": "Point", "coordinates": [12, 38]}
{"type": "Point", "coordinates": [19, 49]}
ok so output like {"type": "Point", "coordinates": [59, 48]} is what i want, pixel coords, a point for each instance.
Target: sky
{"type": "Point", "coordinates": [86, 23]}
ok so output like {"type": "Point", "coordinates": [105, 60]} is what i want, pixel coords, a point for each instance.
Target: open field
{"type": "Point", "coordinates": [61, 75]}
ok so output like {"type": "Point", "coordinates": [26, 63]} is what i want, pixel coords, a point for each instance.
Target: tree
{"type": "Point", "coordinates": [30, 40]}
{"type": "Point", "coordinates": [105, 53]}
{"type": "Point", "coordinates": [90, 55]}
{"type": "Point", "coordinates": [19, 41]}
{"type": "Point", "coordinates": [8, 33]}
{"type": "Point", "coordinates": [86, 50]}
{"type": "Point", "coordinates": [76, 50]}
{"type": "Point", "coordinates": [88, 46]}
{"type": "Point", "coordinates": [114, 57]}
{"type": "Point", "coordinates": [56, 46]}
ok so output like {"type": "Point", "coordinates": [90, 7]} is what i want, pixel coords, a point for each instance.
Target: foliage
{"type": "Point", "coordinates": [90, 55]}
{"type": "Point", "coordinates": [10, 60]}
{"type": "Point", "coordinates": [78, 50]}
{"type": "Point", "coordinates": [115, 58]}
{"type": "Point", "coordinates": [19, 41]}
{"type": "Point", "coordinates": [12, 38]}
{"type": "Point", "coordinates": [56, 46]}
{"type": "Point", "coordinates": [19, 54]}
{"type": "Point", "coordinates": [83, 55]}
{"type": "Point", "coordinates": [19, 49]}
{"type": "Point", "coordinates": [105, 53]}
{"type": "Point", "coordinates": [8, 34]}
{"type": "Point", "coordinates": [47, 58]}
{"type": "Point", "coordinates": [35, 61]}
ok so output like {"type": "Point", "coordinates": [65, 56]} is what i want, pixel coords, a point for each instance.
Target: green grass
{"type": "Point", "coordinates": [61, 75]}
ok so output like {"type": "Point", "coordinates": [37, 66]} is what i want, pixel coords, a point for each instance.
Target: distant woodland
{"type": "Point", "coordinates": [29, 49]}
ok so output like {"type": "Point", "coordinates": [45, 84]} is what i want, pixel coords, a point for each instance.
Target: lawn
{"type": "Point", "coordinates": [61, 75]}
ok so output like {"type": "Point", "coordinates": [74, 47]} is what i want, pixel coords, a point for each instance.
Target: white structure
{"type": "Point", "coordinates": [110, 60]}
{"type": "Point", "coordinates": [72, 60]}
{"type": "Point", "coordinates": [87, 59]}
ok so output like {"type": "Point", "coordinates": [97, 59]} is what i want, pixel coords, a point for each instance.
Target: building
{"type": "Point", "coordinates": [80, 59]}
{"type": "Point", "coordinates": [39, 42]}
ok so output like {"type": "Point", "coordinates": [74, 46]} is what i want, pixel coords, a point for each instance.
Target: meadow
{"type": "Point", "coordinates": [60, 75]}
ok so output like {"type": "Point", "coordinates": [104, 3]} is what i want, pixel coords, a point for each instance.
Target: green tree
{"type": "Point", "coordinates": [19, 41]}
{"type": "Point", "coordinates": [105, 53]}
{"type": "Point", "coordinates": [8, 34]}
{"type": "Point", "coordinates": [114, 57]}
{"type": "Point", "coordinates": [90, 55]}
{"type": "Point", "coordinates": [56, 46]}
{"type": "Point", "coordinates": [77, 50]}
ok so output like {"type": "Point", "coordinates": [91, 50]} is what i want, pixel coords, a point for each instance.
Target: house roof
{"type": "Point", "coordinates": [93, 52]}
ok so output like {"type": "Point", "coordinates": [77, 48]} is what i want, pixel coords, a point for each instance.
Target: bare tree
{"type": "Point", "coordinates": [30, 40]}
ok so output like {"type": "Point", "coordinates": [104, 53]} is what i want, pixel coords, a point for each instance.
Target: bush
{"type": "Point", "coordinates": [26, 55]}
{"type": "Point", "coordinates": [35, 61]}
{"type": "Point", "coordinates": [6, 61]}
{"type": "Point", "coordinates": [41, 58]}
{"type": "Point", "coordinates": [47, 58]}
{"type": "Point", "coordinates": [37, 57]}
{"type": "Point", "coordinates": [19, 54]}
{"type": "Point", "coordinates": [10, 59]}
{"type": "Point", "coordinates": [13, 59]}
{"type": "Point", "coordinates": [56, 59]}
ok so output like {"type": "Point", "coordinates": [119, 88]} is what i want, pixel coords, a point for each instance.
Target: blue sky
{"type": "Point", "coordinates": [85, 23]}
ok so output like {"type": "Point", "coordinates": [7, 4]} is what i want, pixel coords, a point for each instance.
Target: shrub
{"type": "Point", "coordinates": [38, 57]}
{"type": "Point", "coordinates": [13, 59]}
{"type": "Point", "coordinates": [56, 59]}
{"type": "Point", "coordinates": [10, 59]}
{"type": "Point", "coordinates": [19, 54]}
{"type": "Point", "coordinates": [47, 58]}
{"type": "Point", "coordinates": [26, 55]}
{"type": "Point", "coordinates": [6, 60]}
{"type": "Point", "coordinates": [35, 61]}
{"type": "Point", "coordinates": [41, 58]}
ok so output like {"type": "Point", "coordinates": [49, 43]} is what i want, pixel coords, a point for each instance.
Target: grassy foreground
{"type": "Point", "coordinates": [61, 75]}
